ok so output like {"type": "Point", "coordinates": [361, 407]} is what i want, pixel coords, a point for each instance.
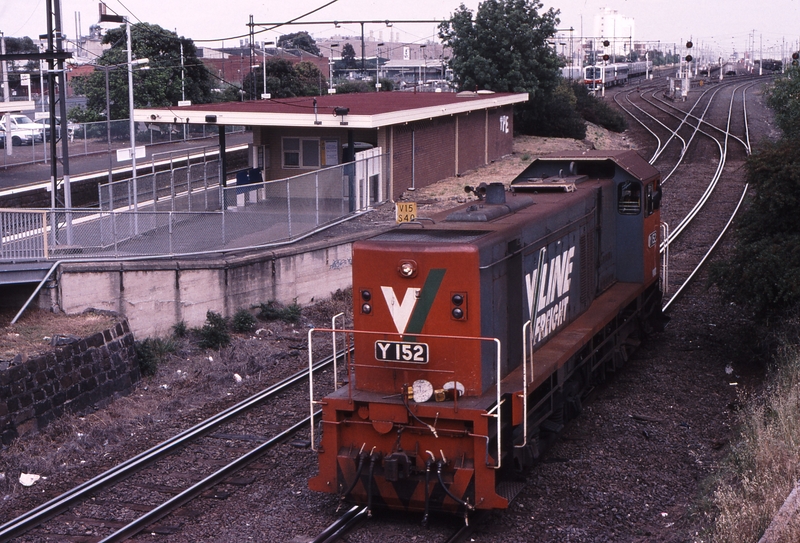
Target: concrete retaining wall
{"type": "Point", "coordinates": [83, 374]}
{"type": "Point", "coordinates": [154, 295]}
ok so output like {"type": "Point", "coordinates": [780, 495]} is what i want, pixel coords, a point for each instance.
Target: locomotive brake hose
{"type": "Point", "coordinates": [428, 465]}
{"type": "Point", "coordinates": [361, 458]}
{"type": "Point", "coordinates": [373, 459]}
{"type": "Point", "coordinates": [467, 506]}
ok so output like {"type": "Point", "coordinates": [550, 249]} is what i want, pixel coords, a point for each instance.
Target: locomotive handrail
{"type": "Point", "coordinates": [527, 339]}
{"type": "Point", "coordinates": [335, 354]}
{"type": "Point", "coordinates": [497, 415]}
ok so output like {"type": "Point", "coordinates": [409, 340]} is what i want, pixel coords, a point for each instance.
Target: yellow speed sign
{"type": "Point", "coordinates": [406, 212]}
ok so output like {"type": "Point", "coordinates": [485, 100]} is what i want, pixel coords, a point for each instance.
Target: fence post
{"type": "Point", "coordinates": [171, 250]}
{"type": "Point", "coordinates": [289, 206]}
{"type": "Point", "coordinates": [171, 184]}
{"type": "Point", "coordinates": [189, 174]}
{"type": "Point", "coordinates": [316, 198]}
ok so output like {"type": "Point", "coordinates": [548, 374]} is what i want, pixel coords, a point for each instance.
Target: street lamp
{"type": "Point", "coordinates": [264, 69]}
{"type": "Point", "coordinates": [331, 90]}
{"type": "Point", "coordinates": [425, 62]}
{"type": "Point", "coordinates": [378, 67]}
{"type": "Point", "coordinates": [106, 69]}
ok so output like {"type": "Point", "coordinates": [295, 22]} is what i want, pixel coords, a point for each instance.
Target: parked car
{"type": "Point", "coordinates": [22, 130]}
{"type": "Point", "coordinates": [72, 128]}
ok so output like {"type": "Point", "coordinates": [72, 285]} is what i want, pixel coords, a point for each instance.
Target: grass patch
{"type": "Point", "coordinates": [765, 462]}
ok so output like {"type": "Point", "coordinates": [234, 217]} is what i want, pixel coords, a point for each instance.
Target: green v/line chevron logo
{"type": "Point", "coordinates": [409, 316]}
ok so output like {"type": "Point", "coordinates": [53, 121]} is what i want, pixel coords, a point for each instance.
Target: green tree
{"type": "Point", "coordinates": [158, 86]}
{"type": "Point", "coordinates": [503, 47]}
{"type": "Point", "coordinates": [299, 40]}
{"type": "Point", "coordinates": [784, 99]}
{"type": "Point", "coordinates": [285, 80]}
{"type": "Point", "coordinates": [349, 55]}
{"type": "Point", "coordinates": [763, 272]}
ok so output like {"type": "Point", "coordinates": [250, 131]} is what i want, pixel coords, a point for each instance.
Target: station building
{"type": "Point", "coordinates": [422, 137]}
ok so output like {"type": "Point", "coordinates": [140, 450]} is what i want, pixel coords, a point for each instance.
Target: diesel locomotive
{"type": "Point", "coordinates": [478, 333]}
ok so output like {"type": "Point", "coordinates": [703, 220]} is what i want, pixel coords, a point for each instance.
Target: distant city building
{"type": "Point", "coordinates": [611, 25]}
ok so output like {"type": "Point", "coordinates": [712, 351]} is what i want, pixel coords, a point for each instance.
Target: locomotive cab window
{"type": "Point", "coordinates": [629, 198]}
{"type": "Point", "coordinates": [652, 199]}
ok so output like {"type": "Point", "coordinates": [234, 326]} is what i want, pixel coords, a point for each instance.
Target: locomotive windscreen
{"type": "Point", "coordinates": [430, 236]}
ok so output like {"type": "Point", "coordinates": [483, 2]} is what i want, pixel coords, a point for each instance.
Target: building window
{"type": "Point", "coordinates": [301, 153]}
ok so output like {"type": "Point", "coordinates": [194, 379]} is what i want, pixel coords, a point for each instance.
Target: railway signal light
{"type": "Point", "coordinates": [795, 57]}
{"type": "Point", "coordinates": [689, 44]}
{"type": "Point", "coordinates": [605, 57]}
{"type": "Point", "coordinates": [606, 43]}
{"type": "Point", "coordinates": [688, 58]}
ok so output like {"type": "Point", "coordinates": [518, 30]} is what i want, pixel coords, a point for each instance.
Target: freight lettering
{"type": "Point", "coordinates": [553, 293]}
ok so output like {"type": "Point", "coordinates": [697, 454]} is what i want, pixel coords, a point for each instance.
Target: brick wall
{"type": "Point", "coordinates": [83, 374]}
{"type": "Point", "coordinates": [435, 147]}
{"type": "Point", "coordinates": [471, 147]}
{"type": "Point", "coordinates": [434, 159]}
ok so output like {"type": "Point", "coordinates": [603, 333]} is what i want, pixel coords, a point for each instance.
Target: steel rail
{"type": "Point", "coordinates": [708, 253]}
{"type": "Point", "coordinates": [342, 526]}
{"type": "Point", "coordinates": [50, 509]}
{"type": "Point", "coordinates": [198, 488]}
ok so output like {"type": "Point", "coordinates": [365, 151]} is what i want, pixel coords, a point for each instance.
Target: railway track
{"type": "Point", "coordinates": [57, 517]}
{"type": "Point", "coordinates": [724, 145]}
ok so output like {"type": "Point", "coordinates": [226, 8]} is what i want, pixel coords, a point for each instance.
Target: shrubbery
{"type": "Point", "coordinates": [596, 111]}
{"type": "Point", "coordinates": [273, 311]}
{"type": "Point", "coordinates": [214, 333]}
{"type": "Point", "coordinates": [151, 352]}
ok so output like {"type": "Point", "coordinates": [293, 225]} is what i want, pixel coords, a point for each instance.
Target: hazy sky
{"type": "Point", "coordinates": [724, 25]}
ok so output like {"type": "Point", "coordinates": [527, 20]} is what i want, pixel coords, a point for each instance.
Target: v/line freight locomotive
{"type": "Point", "coordinates": [477, 334]}
{"type": "Point", "coordinates": [609, 75]}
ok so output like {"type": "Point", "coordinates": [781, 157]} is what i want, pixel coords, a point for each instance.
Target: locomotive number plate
{"type": "Point", "coordinates": [401, 351]}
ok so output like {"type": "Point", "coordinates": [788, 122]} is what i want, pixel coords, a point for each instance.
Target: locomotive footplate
{"type": "Point", "coordinates": [413, 457]}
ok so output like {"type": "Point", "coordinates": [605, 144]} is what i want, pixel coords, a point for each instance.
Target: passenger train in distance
{"type": "Point", "coordinates": [609, 75]}
{"type": "Point", "coordinates": [477, 333]}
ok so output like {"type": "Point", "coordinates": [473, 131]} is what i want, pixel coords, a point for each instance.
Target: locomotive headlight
{"type": "Point", "coordinates": [366, 308]}
{"type": "Point", "coordinates": [458, 313]}
{"type": "Point", "coordinates": [458, 299]}
{"type": "Point", "coordinates": [407, 268]}
{"type": "Point", "coordinates": [366, 295]}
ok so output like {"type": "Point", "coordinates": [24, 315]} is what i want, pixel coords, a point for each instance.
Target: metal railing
{"type": "Point", "coordinates": [102, 137]}
{"type": "Point", "coordinates": [184, 210]}
{"type": "Point", "coordinates": [23, 234]}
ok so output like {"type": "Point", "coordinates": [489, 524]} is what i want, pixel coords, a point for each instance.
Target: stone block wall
{"type": "Point", "coordinates": [71, 379]}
